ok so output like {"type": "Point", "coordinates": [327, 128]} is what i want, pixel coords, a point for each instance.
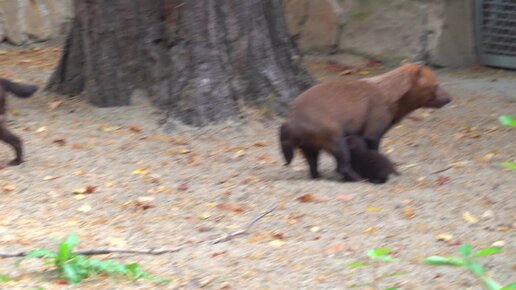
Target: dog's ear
{"type": "Point", "coordinates": [418, 73]}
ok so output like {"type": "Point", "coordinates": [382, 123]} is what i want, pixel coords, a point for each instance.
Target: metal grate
{"type": "Point", "coordinates": [496, 32]}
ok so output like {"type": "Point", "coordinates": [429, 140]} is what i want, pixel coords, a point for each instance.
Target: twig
{"type": "Point", "coordinates": [442, 170]}
{"type": "Point", "coordinates": [104, 251]}
{"type": "Point", "coordinates": [245, 230]}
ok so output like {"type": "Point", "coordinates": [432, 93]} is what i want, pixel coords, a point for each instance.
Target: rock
{"type": "Point", "coordinates": [296, 15]}
{"type": "Point", "coordinates": [38, 20]}
{"type": "Point", "coordinates": [319, 32]}
{"type": "Point", "coordinates": [384, 28]}
{"type": "Point", "coordinates": [14, 26]}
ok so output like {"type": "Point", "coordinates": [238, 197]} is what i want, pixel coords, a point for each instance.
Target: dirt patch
{"type": "Point", "coordinates": [301, 245]}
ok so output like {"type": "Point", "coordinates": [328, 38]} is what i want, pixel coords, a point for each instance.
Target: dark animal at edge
{"type": "Point", "coordinates": [22, 91]}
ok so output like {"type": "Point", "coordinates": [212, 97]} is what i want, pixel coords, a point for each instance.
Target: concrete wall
{"type": "Point", "coordinates": [437, 31]}
{"type": "Point", "coordinates": [25, 21]}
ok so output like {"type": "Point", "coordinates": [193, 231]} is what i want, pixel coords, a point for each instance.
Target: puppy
{"type": "Point", "coordinates": [323, 117]}
{"type": "Point", "coordinates": [22, 91]}
{"type": "Point", "coordinates": [369, 164]}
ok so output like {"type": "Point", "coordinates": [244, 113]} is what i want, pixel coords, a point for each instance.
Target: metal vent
{"type": "Point", "coordinates": [496, 32]}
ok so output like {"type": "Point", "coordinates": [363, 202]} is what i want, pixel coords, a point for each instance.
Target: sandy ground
{"type": "Point", "coordinates": [154, 191]}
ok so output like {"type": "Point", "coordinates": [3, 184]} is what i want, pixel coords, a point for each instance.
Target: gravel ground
{"type": "Point", "coordinates": [161, 191]}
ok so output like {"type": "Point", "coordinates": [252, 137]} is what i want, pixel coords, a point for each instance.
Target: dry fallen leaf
{"type": "Point", "coordinates": [444, 237]}
{"type": "Point", "coordinates": [60, 142]}
{"type": "Point", "coordinates": [79, 196]}
{"type": "Point", "coordinates": [54, 105]}
{"type": "Point", "coordinates": [41, 129]}
{"type": "Point", "coordinates": [409, 213]}
{"type": "Point", "coordinates": [345, 197]}
{"type": "Point", "coordinates": [470, 218]}
{"type": "Point", "coordinates": [84, 208]}
{"type": "Point", "coordinates": [309, 197]}
{"type": "Point", "coordinates": [336, 249]}
{"type": "Point", "coordinates": [135, 128]}
{"type": "Point", "coordinates": [277, 243]}
{"type": "Point", "coordinates": [231, 207]}
{"type": "Point", "coordinates": [141, 170]}
{"type": "Point", "coordinates": [441, 180]}
{"type": "Point", "coordinates": [46, 178]}
{"type": "Point", "coordinates": [204, 216]}
{"type": "Point", "coordinates": [107, 128]}
{"type": "Point", "coordinates": [9, 187]}
{"type": "Point", "coordinates": [373, 209]}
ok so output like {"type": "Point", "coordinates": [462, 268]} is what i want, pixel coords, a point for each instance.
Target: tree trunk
{"type": "Point", "coordinates": [202, 60]}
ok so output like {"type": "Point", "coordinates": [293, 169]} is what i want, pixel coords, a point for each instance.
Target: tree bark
{"type": "Point", "coordinates": [202, 60]}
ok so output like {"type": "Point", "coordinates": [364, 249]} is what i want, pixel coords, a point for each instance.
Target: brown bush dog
{"type": "Point", "coordinates": [369, 164]}
{"type": "Point", "coordinates": [323, 116]}
{"type": "Point", "coordinates": [22, 91]}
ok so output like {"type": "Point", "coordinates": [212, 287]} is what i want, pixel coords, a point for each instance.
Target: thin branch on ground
{"type": "Point", "coordinates": [442, 170]}
{"type": "Point", "coordinates": [243, 231]}
{"type": "Point", "coordinates": [104, 251]}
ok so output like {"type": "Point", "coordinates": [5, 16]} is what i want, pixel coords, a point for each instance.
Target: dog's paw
{"type": "Point", "coordinates": [15, 162]}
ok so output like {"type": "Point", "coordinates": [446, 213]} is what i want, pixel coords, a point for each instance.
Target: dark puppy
{"type": "Point", "coordinates": [323, 116]}
{"type": "Point", "coordinates": [369, 164]}
{"type": "Point", "coordinates": [22, 91]}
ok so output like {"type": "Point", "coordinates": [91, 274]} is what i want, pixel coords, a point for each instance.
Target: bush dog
{"type": "Point", "coordinates": [323, 116]}
{"type": "Point", "coordinates": [369, 164]}
{"type": "Point", "coordinates": [22, 91]}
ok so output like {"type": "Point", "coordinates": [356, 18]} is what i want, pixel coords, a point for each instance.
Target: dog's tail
{"type": "Point", "coordinates": [287, 144]}
{"type": "Point", "coordinates": [19, 89]}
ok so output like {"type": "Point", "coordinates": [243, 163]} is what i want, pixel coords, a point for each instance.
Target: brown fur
{"type": "Point", "coordinates": [369, 164]}
{"type": "Point", "coordinates": [323, 116]}
{"type": "Point", "coordinates": [20, 90]}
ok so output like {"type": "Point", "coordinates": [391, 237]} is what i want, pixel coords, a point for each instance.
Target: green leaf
{"type": "Point", "coordinates": [507, 120]}
{"type": "Point", "coordinates": [391, 288]}
{"type": "Point", "coordinates": [66, 247]}
{"type": "Point", "coordinates": [477, 269]}
{"type": "Point", "coordinates": [511, 286]}
{"type": "Point", "coordinates": [40, 253]}
{"type": "Point", "coordinates": [378, 252]}
{"type": "Point", "coordinates": [510, 165]}
{"type": "Point", "coordinates": [356, 265]}
{"type": "Point", "coordinates": [449, 261]}
{"type": "Point", "coordinates": [71, 274]}
{"type": "Point", "coordinates": [466, 250]}
{"type": "Point", "coordinates": [488, 251]}
{"type": "Point", "coordinates": [4, 278]}
{"type": "Point", "coordinates": [386, 258]}
{"type": "Point", "coordinates": [491, 284]}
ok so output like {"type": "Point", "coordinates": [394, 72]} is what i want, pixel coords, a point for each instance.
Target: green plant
{"type": "Point", "coordinates": [75, 268]}
{"type": "Point", "coordinates": [4, 278]}
{"type": "Point", "coordinates": [508, 120]}
{"type": "Point", "coordinates": [381, 254]}
{"type": "Point", "coordinates": [467, 259]}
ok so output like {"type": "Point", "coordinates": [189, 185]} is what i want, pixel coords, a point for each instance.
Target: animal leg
{"type": "Point", "coordinates": [312, 157]}
{"type": "Point", "coordinates": [14, 141]}
{"type": "Point", "coordinates": [373, 144]}
{"type": "Point", "coordinates": [343, 158]}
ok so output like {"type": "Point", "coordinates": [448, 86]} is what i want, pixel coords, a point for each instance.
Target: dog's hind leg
{"type": "Point", "coordinates": [312, 157]}
{"type": "Point", "coordinates": [343, 158]}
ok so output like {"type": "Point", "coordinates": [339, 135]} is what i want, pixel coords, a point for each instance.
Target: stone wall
{"type": "Point", "coordinates": [26, 21]}
{"type": "Point", "coordinates": [437, 31]}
